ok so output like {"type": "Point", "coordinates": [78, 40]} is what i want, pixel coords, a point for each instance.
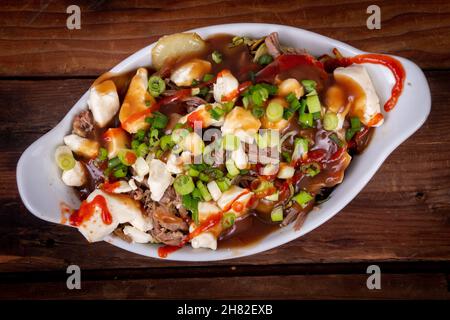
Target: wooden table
{"type": "Point", "coordinates": [400, 221]}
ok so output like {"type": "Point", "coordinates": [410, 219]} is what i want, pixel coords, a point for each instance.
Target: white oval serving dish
{"type": "Point", "coordinates": [42, 190]}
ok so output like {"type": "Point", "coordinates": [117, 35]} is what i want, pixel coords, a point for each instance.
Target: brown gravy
{"type": "Point", "coordinates": [253, 228]}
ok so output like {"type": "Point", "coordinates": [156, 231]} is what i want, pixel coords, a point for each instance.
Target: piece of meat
{"type": "Point", "coordinates": [137, 194]}
{"type": "Point", "coordinates": [168, 228]}
{"type": "Point", "coordinates": [273, 45]}
{"type": "Point", "coordinates": [119, 233]}
{"type": "Point", "coordinates": [83, 124]}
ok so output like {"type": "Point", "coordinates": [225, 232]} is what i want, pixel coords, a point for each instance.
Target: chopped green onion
{"type": "Point", "coordinates": [313, 103]}
{"type": "Point", "coordinates": [257, 112]}
{"type": "Point", "coordinates": [265, 59]}
{"type": "Point", "coordinates": [114, 162]}
{"type": "Point", "coordinates": [300, 148]}
{"type": "Point", "coordinates": [142, 150]}
{"type": "Point", "coordinates": [203, 177]}
{"type": "Point", "coordinates": [263, 186]}
{"type": "Point", "coordinates": [291, 97]}
{"type": "Point", "coordinates": [140, 135]}
{"type": "Point", "coordinates": [207, 77]}
{"type": "Point", "coordinates": [303, 198]}
{"type": "Point", "coordinates": [191, 203]}
{"type": "Point", "coordinates": [246, 101]}
{"type": "Point", "coordinates": [153, 138]}
{"type": "Point", "coordinates": [277, 214]}
{"type": "Point", "coordinates": [120, 172]}
{"type": "Point", "coordinates": [214, 173]}
{"type": "Point", "coordinates": [330, 121]}
{"type": "Point", "coordinates": [231, 167]}
{"type": "Point", "coordinates": [64, 158]}
{"type": "Point", "coordinates": [273, 196]}
{"type": "Point", "coordinates": [135, 144]}
{"type": "Point", "coordinates": [228, 220]}
{"type": "Point", "coordinates": [216, 56]}
{"type": "Point", "coordinates": [335, 139]}
{"type": "Point", "coordinates": [204, 191]}
{"type": "Point", "coordinates": [127, 157]}
{"type": "Point", "coordinates": [166, 142]}
{"type": "Point", "coordinates": [216, 113]}
{"type": "Point", "coordinates": [223, 185]}
{"type": "Point", "coordinates": [316, 115]}
{"type": "Point", "coordinates": [159, 120]}
{"type": "Point", "coordinates": [102, 154]}
{"type": "Point", "coordinates": [156, 86]}
{"type": "Point", "coordinates": [287, 156]}
{"type": "Point", "coordinates": [349, 134]}
{"type": "Point", "coordinates": [183, 185]}
{"type": "Point", "coordinates": [230, 142]}
{"type": "Point", "coordinates": [274, 111]}
{"type": "Point", "coordinates": [227, 106]}
{"type": "Point", "coordinates": [311, 169]}
{"type": "Point", "coordinates": [306, 119]}
{"type": "Point", "coordinates": [355, 123]}
{"type": "Point", "coordinates": [309, 85]}
{"type": "Point", "coordinates": [287, 113]}
{"type": "Point", "coordinates": [196, 194]}
{"type": "Point", "coordinates": [193, 173]}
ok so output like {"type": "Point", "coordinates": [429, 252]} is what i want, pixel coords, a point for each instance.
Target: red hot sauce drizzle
{"type": "Point", "coordinates": [87, 209]}
{"type": "Point", "coordinates": [391, 63]}
{"type": "Point", "coordinates": [209, 223]}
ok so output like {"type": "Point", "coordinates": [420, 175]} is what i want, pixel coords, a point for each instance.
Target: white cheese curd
{"type": "Point", "coordinates": [241, 123]}
{"type": "Point", "coordinates": [141, 167]}
{"type": "Point", "coordinates": [367, 105]}
{"type": "Point", "coordinates": [123, 209]}
{"type": "Point", "coordinates": [95, 229]}
{"type": "Point", "coordinates": [270, 169]}
{"type": "Point", "coordinates": [132, 184]}
{"type": "Point", "coordinates": [123, 187]}
{"type": "Point", "coordinates": [192, 70]}
{"type": "Point", "coordinates": [159, 179]}
{"type": "Point", "coordinates": [76, 176]}
{"type": "Point", "coordinates": [136, 235]}
{"type": "Point", "coordinates": [240, 158]}
{"type": "Point", "coordinates": [193, 143]}
{"type": "Point", "coordinates": [82, 146]}
{"type": "Point", "coordinates": [142, 222]}
{"type": "Point", "coordinates": [235, 193]}
{"type": "Point", "coordinates": [104, 102]}
{"type": "Point", "coordinates": [205, 209]}
{"type": "Point", "coordinates": [202, 114]}
{"type": "Point", "coordinates": [204, 240]}
{"type": "Point", "coordinates": [286, 171]}
{"type": "Point", "coordinates": [214, 190]}
{"type": "Point", "coordinates": [174, 164]}
{"type": "Point", "coordinates": [226, 87]}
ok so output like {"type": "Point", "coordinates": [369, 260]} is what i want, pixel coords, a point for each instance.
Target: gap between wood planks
{"type": "Point", "coordinates": [355, 268]}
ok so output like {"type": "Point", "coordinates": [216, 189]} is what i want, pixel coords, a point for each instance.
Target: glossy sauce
{"type": "Point", "coordinates": [257, 224]}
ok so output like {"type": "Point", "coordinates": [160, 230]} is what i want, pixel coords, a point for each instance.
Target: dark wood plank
{"type": "Point", "coordinates": [403, 214]}
{"type": "Point", "coordinates": [34, 39]}
{"type": "Point", "coordinates": [333, 286]}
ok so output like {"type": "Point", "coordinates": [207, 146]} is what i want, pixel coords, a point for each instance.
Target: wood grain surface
{"type": "Point", "coordinates": [400, 221]}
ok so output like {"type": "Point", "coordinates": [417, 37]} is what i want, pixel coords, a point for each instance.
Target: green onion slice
{"type": "Point", "coordinates": [330, 121]}
{"type": "Point", "coordinates": [303, 198]}
{"type": "Point", "coordinates": [277, 214]}
{"type": "Point", "coordinates": [64, 158]}
{"type": "Point", "coordinates": [274, 111]}
{"type": "Point", "coordinates": [228, 220]}
{"type": "Point", "coordinates": [183, 185]}
{"type": "Point", "coordinates": [156, 86]}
